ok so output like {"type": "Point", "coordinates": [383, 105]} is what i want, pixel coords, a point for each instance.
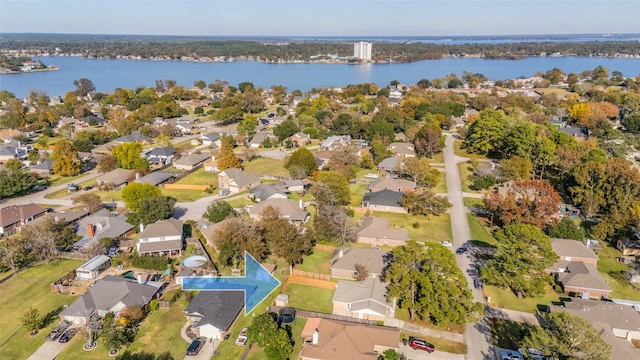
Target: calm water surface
{"type": "Point", "coordinates": [108, 75]}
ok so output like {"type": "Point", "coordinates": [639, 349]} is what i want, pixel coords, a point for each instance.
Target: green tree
{"type": "Point", "coordinates": [31, 320]}
{"type": "Point", "coordinates": [568, 337]}
{"type": "Point", "coordinates": [285, 129]}
{"type": "Point", "coordinates": [84, 87]}
{"type": "Point", "coordinates": [15, 182]}
{"type": "Point", "coordinates": [338, 184]}
{"type": "Point", "coordinates": [301, 164]}
{"type": "Point", "coordinates": [379, 149]}
{"type": "Point", "coordinates": [425, 203]}
{"type": "Point", "coordinates": [128, 156]}
{"type": "Point", "coordinates": [13, 165]}
{"type": "Point", "coordinates": [66, 161]}
{"type": "Point", "coordinates": [390, 354]}
{"type": "Point", "coordinates": [486, 133]}
{"type": "Point", "coordinates": [113, 336]}
{"type": "Point", "coordinates": [421, 171]}
{"type": "Point", "coordinates": [226, 157]}
{"type": "Point", "coordinates": [218, 211]}
{"type": "Point", "coordinates": [284, 239]}
{"type": "Point", "coordinates": [153, 209]}
{"type": "Point", "coordinates": [567, 228]}
{"type": "Point", "coordinates": [275, 341]}
{"type": "Point", "coordinates": [523, 254]}
{"type": "Point", "coordinates": [134, 193]}
{"type": "Point", "coordinates": [247, 126]}
{"type": "Point", "coordinates": [516, 167]}
{"type": "Point", "coordinates": [429, 140]}
{"type": "Point", "coordinates": [588, 193]}
{"type": "Point", "coordinates": [235, 236]}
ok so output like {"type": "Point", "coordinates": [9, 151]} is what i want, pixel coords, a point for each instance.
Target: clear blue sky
{"type": "Point", "coordinates": [320, 17]}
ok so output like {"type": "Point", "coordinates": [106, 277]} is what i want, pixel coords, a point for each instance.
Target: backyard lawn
{"type": "Point", "coordinates": [357, 193]}
{"type": "Point", "coordinates": [30, 288]}
{"type": "Point", "coordinates": [199, 177]}
{"type": "Point", "coordinates": [433, 228]}
{"type": "Point", "coordinates": [613, 272]}
{"type": "Point", "coordinates": [506, 299]}
{"type": "Point", "coordinates": [310, 298]}
{"type": "Point", "coordinates": [266, 166]}
{"type": "Point", "coordinates": [318, 262]}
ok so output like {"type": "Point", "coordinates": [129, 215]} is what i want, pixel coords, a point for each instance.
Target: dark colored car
{"type": "Point", "coordinates": [477, 283]}
{"type": "Point", "coordinates": [68, 335]}
{"type": "Point", "coordinates": [196, 346]}
{"type": "Point", "coordinates": [421, 344]}
{"type": "Point", "coordinates": [58, 330]}
{"type": "Point", "coordinates": [87, 188]}
{"type": "Point", "coordinates": [461, 250]}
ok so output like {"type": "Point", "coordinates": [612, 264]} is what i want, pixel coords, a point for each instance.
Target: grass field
{"type": "Point", "coordinates": [318, 262]}
{"type": "Point", "coordinates": [257, 353]}
{"type": "Point", "coordinates": [357, 193]}
{"type": "Point", "coordinates": [441, 186]}
{"type": "Point", "coordinates": [241, 202]}
{"type": "Point", "coordinates": [266, 166]}
{"type": "Point", "coordinates": [199, 177]}
{"type": "Point", "coordinates": [613, 272]}
{"type": "Point", "coordinates": [506, 299]}
{"type": "Point", "coordinates": [30, 288]}
{"type": "Point", "coordinates": [480, 234]}
{"type": "Point", "coordinates": [310, 298]}
{"type": "Point", "coordinates": [433, 228]}
{"type": "Point", "coordinates": [185, 195]}
{"type": "Point", "coordinates": [403, 314]}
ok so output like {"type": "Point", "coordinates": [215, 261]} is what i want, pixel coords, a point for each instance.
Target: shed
{"type": "Point", "coordinates": [93, 267]}
{"type": "Point", "coordinates": [282, 300]}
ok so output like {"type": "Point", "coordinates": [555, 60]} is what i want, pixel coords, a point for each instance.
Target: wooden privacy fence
{"type": "Point", "coordinates": [185, 187]}
{"type": "Point", "coordinates": [311, 275]}
{"type": "Point", "coordinates": [324, 247]}
{"type": "Point", "coordinates": [313, 314]}
{"type": "Point", "coordinates": [292, 279]}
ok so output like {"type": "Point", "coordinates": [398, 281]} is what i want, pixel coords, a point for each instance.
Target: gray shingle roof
{"type": "Point", "coordinates": [288, 209]}
{"type": "Point", "coordinates": [157, 246]}
{"type": "Point", "coordinates": [192, 160]}
{"type": "Point", "coordinates": [379, 228]}
{"type": "Point", "coordinates": [116, 177]}
{"type": "Point", "coordinates": [135, 136]}
{"type": "Point", "coordinates": [387, 183]}
{"type": "Point", "coordinates": [168, 227]}
{"type": "Point", "coordinates": [218, 308]}
{"type": "Point", "coordinates": [384, 198]}
{"type": "Point", "coordinates": [372, 259]}
{"type": "Point", "coordinates": [265, 191]}
{"type": "Point", "coordinates": [582, 275]}
{"type": "Point", "coordinates": [572, 248]}
{"type": "Point", "coordinates": [161, 151]}
{"type": "Point", "coordinates": [367, 294]}
{"type": "Point", "coordinates": [240, 177]}
{"type": "Point", "coordinates": [104, 224]}
{"type": "Point", "coordinates": [155, 178]}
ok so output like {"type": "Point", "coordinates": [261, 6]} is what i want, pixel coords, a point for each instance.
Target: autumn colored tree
{"type": "Point", "coordinates": [66, 161]}
{"type": "Point", "coordinates": [516, 167]}
{"type": "Point", "coordinates": [580, 113]}
{"type": "Point", "coordinates": [532, 202]}
{"type": "Point", "coordinates": [420, 171]}
{"type": "Point", "coordinates": [226, 157]}
{"type": "Point", "coordinates": [429, 140]}
{"type": "Point", "coordinates": [425, 203]}
{"type": "Point", "coordinates": [337, 183]}
{"type": "Point", "coordinates": [290, 241]}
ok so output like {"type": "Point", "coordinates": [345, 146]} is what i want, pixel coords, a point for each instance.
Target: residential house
{"type": "Point", "coordinates": [14, 150]}
{"type": "Point", "coordinates": [336, 141]}
{"type": "Point", "coordinates": [115, 178]}
{"type": "Point", "coordinates": [384, 200]}
{"type": "Point", "coordinates": [267, 191]}
{"type": "Point", "coordinates": [402, 149]}
{"type": "Point", "coordinates": [579, 134]}
{"type": "Point", "coordinates": [389, 165]}
{"type": "Point", "coordinates": [576, 270]}
{"type": "Point", "coordinates": [211, 313]}
{"type": "Point", "coordinates": [164, 237]}
{"type": "Point", "coordinates": [617, 324]}
{"type": "Point", "coordinates": [389, 183]}
{"type": "Point", "coordinates": [67, 121]}
{"type": "Point", "coordinates": [300, 139]}
{"type": "Point", "coordinates": [211, 140]}
{"type": "Point", "coordinates": [191, 161]}
{"type": "Point", "coordinates": [322, 158]}
{"type": "Point", "coordinates": [376, 231]}
{"type": "Point", "coordinates": [236, 180]}
{"type": "Point", "coordinates": [91, 120]}
{"type": "Point", "coordinates": [293, 185]}
{"type": "Point", "coordinates": [155, 178]}
{"type": "Point", "coordinates": [343, 262]}
{"type": "Point", "coordinates": [338, 340]}
{"type": "Point", "coordinates": [102, 224]}
{"type": "Point", "coordinates": [161, 156]}
{"type": "Point", "coordinates": [133, 137]}
{"type": "Point", "coordinates": [14, 216]}
{"type": "Point", "coordinates": [211, 166]}
{"type": "Point", "coordinates": [187, 128]}
{"type": "Point", "coordinates": [209, 232]}
{"type": "Point", "coordinates": [93, 267]}
{"type": "Point", "coordinates": [630, 246]}
{"type": "Point", "coordinates": [363, 300]}
{"type": "Point", "coordinates": [258, 138]}
{"type": "Point", "coordinates": [8, 135]}
{"type": "Point", "coordinates": [111, 294]}
{"type": "Point", "coordinates": [289, 209]}
{"type": "Point", "coordinates": [42, 167]}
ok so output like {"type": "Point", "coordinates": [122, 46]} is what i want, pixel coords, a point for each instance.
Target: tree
{"type": "Point", "coordinates": [486, 133]}
{"type": "Point", "coordinates": [289, 241]}
{"type": "Point", "coordinates": [361, 271]}
{"type": "Point", "coordinates": [153, 209]}
{"type": "Point", "coordinates": [13, 165]}
{"type": "Point", "coordinates": [66, 161]}
{"type": "Point", "coordinates": [247, 126]}
{"type": "Point", "coordinates": [566, 229]}
{"type": "Point", "coordinates": [107, 163]}
{"type": "Point", "coordinates": [285, 129]}
{"type": "Point", "coordinates": [390, 354]}
{"type": "Point", "coordinates": [235, 236]}
{"type": "Point", "coordinates": [301, 164]}
{"type": "Point", "coordinates": [275, 341]}
{"type": "Point", "coordinates": [516, 167]}
{"type": "Point", "coordinates": [84, 87]}
{"type": "Point", "coordinates": [523, 254]}
{"type": "Point", "coordinates": [567, 336]}
{"type": "Point", "coordinates": [15, 182]}
{"type": "Point", "coordinates": [128, 156]}
{"type": "Point", "coordinates": [218, 211]}
{"type": "Point", "coordinates": [532, 202]}
{"type": "Point", "coordinates": [338, 185]}
{"type": "Point", "coordinates": [89, 202]}
{"type": "Point", "coordinates": [15, 254]}
{"type": "Point", "coordinates": [588, 193]}
{"type": "Point", "coordinates": [113, 336]}
{"type": "Point", "coordinates": [134, 193]}
{"type": "Point", "coordinates": [31, 320]}
{"type": "Point", "coordinates": [429, 140]}
{"type": "Point", "coordinates": [425, 203]}
{"type": "Point", "coordinates": [226, 157]}
{"type": "Point", "coordinates": [420, 171]}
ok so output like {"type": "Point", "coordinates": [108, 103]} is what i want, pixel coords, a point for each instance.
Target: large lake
{"type": "Point", "coordinates": [107, 75]}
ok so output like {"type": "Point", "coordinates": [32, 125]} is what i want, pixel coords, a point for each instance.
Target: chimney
{"type": "Point", "coordinates": [141, 227]}
{"type": "Point", "coordinates": [315, 337]}
{"type": "Point", "coordinates": [140, 278]}
{"type": "Point", "coordinates": [90, 231]}
{"type": "Point", "coordinates": [300, 203]}
{"type": "Point", "coordinates": [137, 176]}
{"type": "Point", "coordinates": [340, 254]}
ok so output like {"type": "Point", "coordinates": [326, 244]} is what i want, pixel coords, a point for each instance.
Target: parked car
{"type": "Point", "coordinates": [87, 188]}
{"type": "Point", "coordinates": [533, 354]}
{"type": "Point", "coordinates": [71, 187]}
{"type": "Point", "coordinates": [447, 243]}
{"type": "Point", "coordinates": [58, 330]}
{"type": "Point", "coordinates": [242, 338]}
{"type": "Point", "coordinates": [477, 283]}
{"type": "Point", "coordinates": [196, 346]}
{"type": "Point", "coordinates": [461, 250]}
{"type": "Point", "coordinates": [511, 355]}
{"type": "Point", "coordinates": [421, 344]}
{"type": "Point", "coordinates": [68, 335]}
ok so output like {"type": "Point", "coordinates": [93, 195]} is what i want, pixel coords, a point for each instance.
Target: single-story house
{"type": "Point", "coordinates": [343, 262]}
{"type": "Point", "coordinates": [116, 178]}
{"type": "Point", "coordinates": [362, 299]}
{"type": "Point", "coordinates": [293, 185]}
{"type": "Point", "coordinates": [336, 141]}
{"type": "Point", "coordinates": [267, 191]}
{"type": "Point", "coordinates": [42, 168]}
{"type": "Point", "coordinates": [338, 340]}
{"type": "Point", "coordinates": [211, 313]}
{"type": "Point", "coordinates": [300, 139]}
{"type": "Point", "coordinates": [402, 149]}
{"type": "Point", "coordinates": [211, 139]}
{"type": "Point", "coordinates": [155, 178]}
{"type": "Point", "coordinates": [583, 279]}
{"type": "Point", "coordinates": [579, 134]}
{"type": "Point", "coordinates": [111, 294]}
{"type": "Point", "coordinates": [236, 180]}
{"type": "Point", "coordinates": [573, 250]}
{"type": "Point", "coordinates": [161, 156]}
{"type": "Point", "coordinates": [389, 165]}
{"type": "Point", "coordinates": [191, 162]}
{"type": "Point", "coordinates": [164, 237]}
{"type": "Point", "coordinates": [389, 183]}
{"type": "Point", "coordinates": [133, 137]}
{"type": "Point", "coordinates": [93, 267]}
{"type": "Point", "coordinates": [211, 166]}
{"type": "Point", "coordinates": [258, 138]}
{"type": "Point", "coordinates": [376, 231]}
{"type": "Point", "coordinates": [289, 209]}
{"type": "Point", "coordinates": [384, 200]}
{"type": "Point", "coordinates": [14, 216]}
{"type": "Point", "coordinates": [322, 158]}
{"type": "Point", "coordinates": [101, 224]}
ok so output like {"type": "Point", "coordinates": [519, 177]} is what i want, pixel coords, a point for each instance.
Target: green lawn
{"type": "Point", "coordinates": [465, 177]}
{"type": "Point", "coordinates": [440, 344]}
{"type": "Point", "coordinates": [310, 298]}
{"type": "Point", "coordinates": [241, 202]}
{"type": "Point", "coordinates": [185, 195]}
{"type": "Point", "coordinates": [266, 166]}
{"type": "Point", "coordinates": [110, 196]}
{"type": "Point", "coordinates": [480, 234]}
{"type": "Point", "coordinates": [403, 314]}
{"type": "Point", "coordinates": [506, 299]}
{"type": "Point", "coordinates": [357, 193]}
{"type": "Point", "coordinates": [199, 177]}
{"type": "Point", "coordinates": [437, 158]}
{"type": "Point", "coordinates": [30, 289]}
{"type": "Point", "coordinates": [613, 272]}
{"type": "Point", "coordinates": [473, 202]}
{"type": "Point", "coordinates": [318, 262]}
{"type": "Point", "coordinates": [433, 228]}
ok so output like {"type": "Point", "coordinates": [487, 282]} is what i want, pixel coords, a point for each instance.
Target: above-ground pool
{"type": "Point", "coordinates": [196, 261]}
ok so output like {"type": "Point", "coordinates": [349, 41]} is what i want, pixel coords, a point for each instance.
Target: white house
{"type": "Point", "coordinates": [164, 237]}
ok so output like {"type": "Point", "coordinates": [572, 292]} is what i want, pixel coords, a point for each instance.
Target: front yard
{"type": "Point", "coordinates": [506, 299]}
{"type": "Point", "coordinates": [30, 288]}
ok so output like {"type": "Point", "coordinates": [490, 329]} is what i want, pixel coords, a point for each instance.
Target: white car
{"type": "Point", "coordinates": [446, 243]}
{"type": "Point", "coordinates": [241, 340]}
{"type": "Point", "coordinates": [534, 354]}
{"type": "Point", "coordinates": [511, 355]}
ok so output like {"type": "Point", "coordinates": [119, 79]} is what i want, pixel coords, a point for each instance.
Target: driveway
{"type": "Point", "coordinates": [206, 352]}
{"type": "Point", "coordinates": [412, 354]}
{"type": "Point", "coordinates": [48, 351]}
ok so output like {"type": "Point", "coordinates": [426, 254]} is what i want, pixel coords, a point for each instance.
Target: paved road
{"type": "Point", "coordinates": [477, 335]}
{"type": "Point", "coordinates": [38, 197]}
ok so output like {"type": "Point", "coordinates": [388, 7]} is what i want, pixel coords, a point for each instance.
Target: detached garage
{"type": "Point", "coordinates": [92, 268]}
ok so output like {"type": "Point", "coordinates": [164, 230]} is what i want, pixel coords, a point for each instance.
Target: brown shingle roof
{"type": "Point", "coordinates": [14, 213]}
{"type": "Point", "coordinates": [582, 275]}
{"type": "Point", "coordinates": [169, 227]}
{"type": "Point", "coordinates": [572, 248]}
{"type": "Point", "coordinates": [372, 259]}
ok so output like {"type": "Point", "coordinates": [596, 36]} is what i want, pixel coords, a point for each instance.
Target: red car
{"type": "Point", "coordinates": [420, 344]}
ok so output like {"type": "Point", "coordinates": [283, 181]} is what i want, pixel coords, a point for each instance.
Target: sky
{"type": "Point", "coordinates": [320, 17]}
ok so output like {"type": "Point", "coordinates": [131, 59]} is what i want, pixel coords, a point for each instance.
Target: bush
{"type": "Point", "coordinates": [149, 262]}
{"type": "Point", "coordinates": [154, 305]}
{"type": "Point", "coordinates": [484, 182]}
{"type": "Point", "coordinates": [416, 225]}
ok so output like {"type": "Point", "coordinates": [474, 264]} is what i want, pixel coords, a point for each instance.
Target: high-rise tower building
{"type": "Point", "coordinates": [362, 50]}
